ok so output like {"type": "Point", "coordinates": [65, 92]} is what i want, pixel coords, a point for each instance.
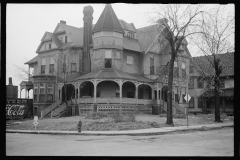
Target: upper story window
{"type": "Point", "coordinates": [51, 65]}
{"type": "Point", "coordinates": [151, 65]}
{"type": "Point", "coordinates": [175, 69]}
{"type": "Point", "coordinates": [45, 46]}
{"type": "Point", "coordinates": [43, 65]}
{"type": "Point", "coordinates": [61, 39]}
{"type": "Point", "coordinates": [50, 92]}
{"type": "Point", "coordinates": [42, 92]}
{"type": "Point", "coordinates": [129, 60]}
{"type": "Point", "coordinates": [108, 58]}
{"type": "Point", "coordinates": [65, 39]}
{"type": "Point", "coordinates": [191, 83]}
{"type": "Point", "coordinates": [200, 82]}
{"type": "Point", "coordinates": [49, 45]}
{"type": "Point", "coordinates": [35, 91]}
{"type": "Point", "coordinates": [184, 74]}
{"type": "Point", "coordinates": [73, 67]}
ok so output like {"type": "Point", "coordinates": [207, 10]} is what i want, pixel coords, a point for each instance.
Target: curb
{"type": "Point", "coordinates": [202, 128]}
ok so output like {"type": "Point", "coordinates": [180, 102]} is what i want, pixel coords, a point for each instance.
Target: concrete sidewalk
{"type": "Point", "coordinates": [151, 131]}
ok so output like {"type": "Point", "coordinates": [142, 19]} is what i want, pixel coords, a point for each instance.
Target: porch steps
{"type": "Point", "coordinates": [50, 108]}
{"type": "Point", "coordinates": [179, 109]}
{"type": "Point", "coordinates": [58, 111]}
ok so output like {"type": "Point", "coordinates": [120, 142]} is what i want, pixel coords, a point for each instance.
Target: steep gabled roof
{"type": "Point", "coordinates": [74, 33]}
{"type": "Point", "coordinates": [146, 36]}
{"type": "Point", "coordinates": [227, 60]}
{"type": "Point", "coordinates": [53, 38]}
{"type": "Point", "coordinates": [108, 21]}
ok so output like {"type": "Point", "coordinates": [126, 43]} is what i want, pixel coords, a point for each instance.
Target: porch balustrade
{"type": "Point", "coordinates": [115, 100]}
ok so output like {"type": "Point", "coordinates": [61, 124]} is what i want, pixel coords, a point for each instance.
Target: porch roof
{"type": "Point", "coordinates": [112, 74]}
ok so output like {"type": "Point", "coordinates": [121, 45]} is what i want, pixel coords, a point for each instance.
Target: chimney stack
{"type": "Point", "coordinates": [10, 81]}
{"type": "Point", "coordinates": [87, 37]}
{"type": "Point", "coordinates": [63, 22]}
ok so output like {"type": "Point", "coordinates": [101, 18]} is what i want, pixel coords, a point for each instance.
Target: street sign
{"type": "Point", "coordinates": [187, 97]}
{"type": "Point", "coordinates": [35, 118]}
{"type": "Point", "coordinates": [35, 122]}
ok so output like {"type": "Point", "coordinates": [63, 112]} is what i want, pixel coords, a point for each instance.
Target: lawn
{"type": "Point", "coordinates": [142, 121]}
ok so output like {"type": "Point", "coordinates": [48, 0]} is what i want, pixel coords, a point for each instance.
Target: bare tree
{"type": "Point", "coordinates": [179, 22]}
{"type": "Point", "coordinates": [67, 67]}
{"type": "Point", "coordinates": [215, 37]}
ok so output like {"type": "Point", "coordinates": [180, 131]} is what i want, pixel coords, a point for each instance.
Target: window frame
{"type": "Point", "coordinates": [43, 68]}
{"type": "Point", "coordinates": [51, 68]}
{"type": "Point", "coordinates": [108, 58]}
{"type": "Point", "coordinates": [75, 69]}
{"type": "Point", "coordinates": [130, 59]}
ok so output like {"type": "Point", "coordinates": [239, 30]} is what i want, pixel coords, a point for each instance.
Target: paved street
{"type": "Point", "coordinates": [207, 143]}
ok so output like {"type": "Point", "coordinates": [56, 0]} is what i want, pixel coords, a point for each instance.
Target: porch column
{"type": "Point", "coordinates": [136, 93]}
{"type": "Point", "coordinates": [75, 91]}
{"type": "Point", "coordinates": [120, 90]}
{"type": "Point", "coordinates": [79, 91]}
{"type": "Point", "coordinates": [157, 94]}
{"type": "Point", "coordinates": [25, 93]}
{"type": "Point", "coordinates": [60, 93]}
{"type": "Point", "coordinates": [153, 95]}
{"type": "Point", "coordinates": [95, 91]}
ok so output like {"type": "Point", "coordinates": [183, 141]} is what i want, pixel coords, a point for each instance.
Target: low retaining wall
{"type": "Point", "coordinates": [84, 108]}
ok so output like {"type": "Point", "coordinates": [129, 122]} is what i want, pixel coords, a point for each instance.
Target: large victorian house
{"type": "Point", "coordinates": [107, 66]}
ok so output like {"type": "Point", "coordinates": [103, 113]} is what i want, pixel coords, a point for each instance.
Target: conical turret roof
{"type": "Point", "coordinates": [108, 21]}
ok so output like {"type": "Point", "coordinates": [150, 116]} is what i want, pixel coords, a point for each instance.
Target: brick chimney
{"type": "Point", "coordinates": [87, 37]}
{"type": "Point", "coordinates": [63, 22]}
{"type": "Point", "coordinates": [10, 81]}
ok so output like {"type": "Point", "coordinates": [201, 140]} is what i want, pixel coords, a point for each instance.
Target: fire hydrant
{"type": "Point", "coordinates": [79, 126]}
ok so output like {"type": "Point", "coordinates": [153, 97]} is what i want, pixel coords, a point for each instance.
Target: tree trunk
{"type": "Point", "coordinates": [169, 91]}
{"type": "Point", "coordinates": [217, 105]}
{"type": "Point", "coordinates": [66, 100]}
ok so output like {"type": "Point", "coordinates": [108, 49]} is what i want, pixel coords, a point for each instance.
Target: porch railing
{"type": "Point", "coordinates": [60, 109]}
{"type": "Point", "coordinates": [144, 101]}
{"type": "Point", "coordinates": [85, 100]}
{"type": "Point", "coordinates": [129, 100]}
{"type": "Point", "coordinates": [50, 108]}
{"type": "Point", "coordinates": [108, 100]}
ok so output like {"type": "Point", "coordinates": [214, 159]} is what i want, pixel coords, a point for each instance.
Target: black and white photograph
{"type": "Point", "coordinates": [120, 79]}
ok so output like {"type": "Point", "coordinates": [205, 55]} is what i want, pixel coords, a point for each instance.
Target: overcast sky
{"type": "Point", "coordinates": [27, 23]}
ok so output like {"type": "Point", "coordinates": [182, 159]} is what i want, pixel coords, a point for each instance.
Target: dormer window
{"type": "Point", "coordinates": [130, 35]}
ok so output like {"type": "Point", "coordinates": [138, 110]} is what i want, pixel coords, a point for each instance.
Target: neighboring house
{"type": "Point", "coordinates": [12, 91]}
{"type": "Point", "coordinates": [111, 64]}
{"type": "Point", "coordinates": [201, 90]}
